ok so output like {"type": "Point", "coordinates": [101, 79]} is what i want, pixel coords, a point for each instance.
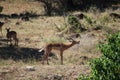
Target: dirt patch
{"type": "Point", "coordinates": [44, 72]}
{"type": "Point", "coordinates": [32, 36]}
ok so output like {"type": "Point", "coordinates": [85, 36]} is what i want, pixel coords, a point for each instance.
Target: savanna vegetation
{"type": "Point", "coordinates": [106, 67]}
{"type": "Point", "coordinates": [35, 23]}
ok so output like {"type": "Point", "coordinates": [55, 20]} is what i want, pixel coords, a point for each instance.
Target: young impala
{"type": "Point", "coordinates": [12, 35]}
{"type": "Point", "coordinates": [57, 46]}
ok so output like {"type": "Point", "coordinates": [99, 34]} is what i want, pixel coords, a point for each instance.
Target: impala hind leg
{"type": "Point", "coordinates": [45, 57]}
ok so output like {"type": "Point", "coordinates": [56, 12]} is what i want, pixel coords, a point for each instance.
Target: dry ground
{"type": "Point", "coordinates": [32, 36]}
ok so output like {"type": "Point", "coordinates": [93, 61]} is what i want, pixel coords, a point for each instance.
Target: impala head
{"type": "Point", "coordinates": [73, 41]}
{"type": "Point", "coordinates": [76, 42]}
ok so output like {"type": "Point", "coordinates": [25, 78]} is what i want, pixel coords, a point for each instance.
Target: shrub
{"type": "Point", "coordinates": [83, 77]}
{"type": "Point", "coordinates": [108, 66]}
{"type": "Point", "coordinates": [74, 24]}
{"type": "Point", "coordinates": [88, 20]}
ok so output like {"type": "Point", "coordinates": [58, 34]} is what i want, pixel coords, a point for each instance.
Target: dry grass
{"type": "Point", "coordinates": [35, 33]}
{"type": "Point", "coordinates": [18, 6]}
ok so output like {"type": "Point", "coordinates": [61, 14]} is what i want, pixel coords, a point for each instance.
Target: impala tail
{"type": "Point", "coordinates": [41, 50]}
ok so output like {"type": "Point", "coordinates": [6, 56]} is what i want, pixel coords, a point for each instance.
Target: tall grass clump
{"type": "Point", "coordinates": [73, 24]}
{"type": "Point", "coordinates": [107, 67]}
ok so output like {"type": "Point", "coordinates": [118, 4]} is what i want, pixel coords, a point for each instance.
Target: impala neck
{"type": "Point", "coordinates": [70, 45]}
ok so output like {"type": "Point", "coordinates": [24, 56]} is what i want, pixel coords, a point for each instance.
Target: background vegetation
{"type": "Point", "coordinates": [63, 6]}
{"type": "Point", "coordinates": [107, 67]}
{"type": "Point", "coordinates": [39, 22]}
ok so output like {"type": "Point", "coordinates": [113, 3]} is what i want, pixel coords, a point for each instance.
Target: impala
{"type": "Point", "coordinates": [57, 46]}
{"type": "Point", "coordinates": [11, 35]}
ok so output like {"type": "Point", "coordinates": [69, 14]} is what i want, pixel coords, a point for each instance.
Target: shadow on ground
{"type": "Point", "coordinates": [20, 15]}
{"type": "Point", "coordinates": [18, 53]}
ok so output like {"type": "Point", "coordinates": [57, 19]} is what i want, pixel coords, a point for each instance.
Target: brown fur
{"type": "Point", "coordinates": [11, 35]}
{"type": "Point", "coordinates": [57, 46]}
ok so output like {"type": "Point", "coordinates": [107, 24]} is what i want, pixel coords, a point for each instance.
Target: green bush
{"type": "Point", "coordinates": [83, 77]}
{"type": "Point", "coordinates": [74, 24]}
{"type": "Point", "coordinates": [111, 49]}
{"type": "Point", "coordinates": [88, 20]}
{"type": "Point", "coordinates": [108, 66]}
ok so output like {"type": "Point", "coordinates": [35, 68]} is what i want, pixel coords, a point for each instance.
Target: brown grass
{"type": "Point", "coordinates": [35, 33]}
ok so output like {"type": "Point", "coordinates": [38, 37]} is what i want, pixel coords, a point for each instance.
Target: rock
{"type": "Point", "coordinates": [57, 77]}
{"type": "Point", "coordinates": [30, 68]}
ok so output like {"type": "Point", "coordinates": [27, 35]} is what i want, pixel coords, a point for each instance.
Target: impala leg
{"type": "Point", "coordinates": [16, 42]}
{"type": "Point", "coordinates": [10, 41]}
{"type": "Point", "coordinates": [61, 55]}
{"type": "Point", "coordinates": [45, 57]}
{"type": "Point", "coordinates": [7, 41]}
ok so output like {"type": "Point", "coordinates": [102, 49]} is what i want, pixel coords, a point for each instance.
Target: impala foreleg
{"type": "Point", "coordinates": [16, 42]}
{"type": "Point", "coordinates": [61, 55]}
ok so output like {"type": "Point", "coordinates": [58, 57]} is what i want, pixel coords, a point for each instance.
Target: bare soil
{"type": "Point", "coordinates": [33, 35]}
